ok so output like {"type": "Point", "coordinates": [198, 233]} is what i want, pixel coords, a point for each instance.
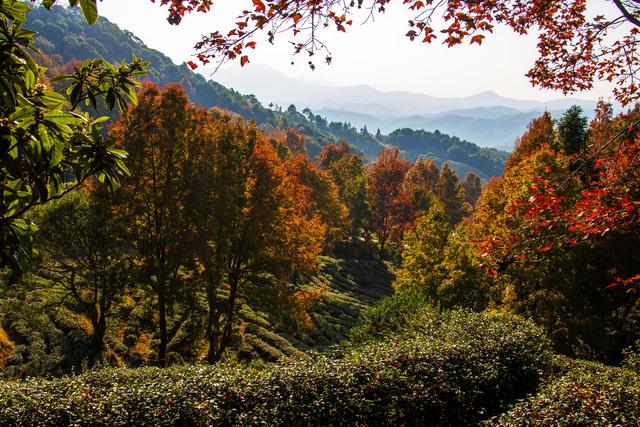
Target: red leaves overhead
{"type": "Point", "coordinates": [574, 50]}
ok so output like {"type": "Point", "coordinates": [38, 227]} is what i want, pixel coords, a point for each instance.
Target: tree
{"type": "Point", "coordinates": [572, 131]}
{"type": "Point", "coordinates": [211, 201]}
{"type": "Point", "coordinates": [50, 148]}
{"type": "Point", "coordinates": [425, 179]}
{"type": "Point", "coordinates": [560, 245]}
{"type": "Point", "coordinates": [324, 196]}
{"type": "Point", "coordinates": [464, 281]}
{"type": "Point", "coordinates": [348, 172]}
{"type": "Point", "coordinates": [472, 187]}
{"type": "Point", "coordinates": [575, 49]}
{"type": "Point", "coordinates": [539, 132]}
{"type": "Point", "coordinates": [81, 250]}
{"type": "Point", "coordinates": [607, 200]}
{"type": "Point", "coordinates": [391, 208]}
{"type": "Point", "coordinates": [255, 225]}
{"type": "Point", "coordinates": [157, 136]}
{"type": "Point", "coordinates": [423, 251]}
{"type": "Point", "coordinates": [422, 181]}
{"type": "Point", "coordinates": [452, 195]}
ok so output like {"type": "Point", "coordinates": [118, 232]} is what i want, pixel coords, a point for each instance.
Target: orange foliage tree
{"type": "Point", "coordinates": [157, 135]}
{"type": "Point", "coordinates": [391, 207]}
{"type": "Point", "coordinates": [346, 168]}
{"type": "Point", "coordinates": [211, 202]}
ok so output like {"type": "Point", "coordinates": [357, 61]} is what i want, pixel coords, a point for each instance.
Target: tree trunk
{"type": "Point", "coordinates": [162, 324]}
{"type": "Point", "coordinates": [97, 339]}
{"type": "Point", "coordinates": [213, 324]}
{"type": "Point", "coordinates": [221, 339]}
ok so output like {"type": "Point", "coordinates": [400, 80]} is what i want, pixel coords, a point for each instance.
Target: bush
{"type": "Point", "coordinates": [588, 394]}
{"type": "Point", "coordinates": [460, 368]}
{"type": "Point", "coordinates": [632, 357]}
{"type": "Point", "coordinates": [391, 314]}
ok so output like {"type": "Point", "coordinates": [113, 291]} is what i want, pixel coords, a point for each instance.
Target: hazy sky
{"type": "Point", "coordinates": [376, 53]}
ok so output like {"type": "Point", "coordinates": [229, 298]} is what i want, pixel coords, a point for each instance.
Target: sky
{"type": "Point", "coordinates": [376, 53]}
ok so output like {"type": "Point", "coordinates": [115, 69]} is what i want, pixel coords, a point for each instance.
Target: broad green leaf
{"type": "Point", "coordinates": [89, 10]}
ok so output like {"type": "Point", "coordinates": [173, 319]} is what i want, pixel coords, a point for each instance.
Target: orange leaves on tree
{"type": "Point", "coordinates": [391, 207]}
{"type": "Point", "coordinates": [477, 39]}
{"type": "Point", "coordinates": [259, 6]}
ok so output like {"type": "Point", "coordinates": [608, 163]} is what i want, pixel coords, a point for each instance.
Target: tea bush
{"type": "Point", "coordinates": [458, 368]}
{"type": "Point", "coordinates": [587, 394]}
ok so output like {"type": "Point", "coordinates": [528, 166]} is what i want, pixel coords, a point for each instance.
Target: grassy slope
{"type": "Point", "coordinates": [350, 287]}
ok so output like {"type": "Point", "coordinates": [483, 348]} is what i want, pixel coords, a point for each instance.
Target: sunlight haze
{"type": "Point", "coordinates": [375, 54]}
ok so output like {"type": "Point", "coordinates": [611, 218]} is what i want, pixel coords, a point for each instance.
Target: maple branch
{"type": "Point", "coordinates": [630, 16]}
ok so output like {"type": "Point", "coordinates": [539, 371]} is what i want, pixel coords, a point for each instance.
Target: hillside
{"type": "Point", "coordinates": [494, 127]}
{"type": "Point", "coordinates": [485, 162]}
{"type": "Point", "coordinates": [58, 29]}
{"type": "Point", "coordinates": [347, 288]}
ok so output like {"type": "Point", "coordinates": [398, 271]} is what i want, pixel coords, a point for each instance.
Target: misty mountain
{"type": "Point", "coordinates": [496, 127]}
{"type": "Point", "coordinates": [486, 118]}
{"type": "Point", "coordinates": [271, 86]}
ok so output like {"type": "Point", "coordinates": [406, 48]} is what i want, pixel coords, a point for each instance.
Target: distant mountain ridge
{"type": "Point", "coordinates": [269, 85]}
{"type": "Point", "coordinates": [495, 127]}
{"type": "Point", "coordinates": [107, 40]}
{"type": "Point", "coordinates": [486, 118]}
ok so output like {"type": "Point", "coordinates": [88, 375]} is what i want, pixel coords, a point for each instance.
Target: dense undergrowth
{"type": "Point", "coordinates": [406, 363]}
{"type": "Point", "coordinates": [443, 369]}
{"type": "Point", "coordinates": [580, 394]}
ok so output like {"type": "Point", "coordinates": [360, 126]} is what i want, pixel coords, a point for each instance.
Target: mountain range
{"type": "Point", "coordinates": [486, 118]}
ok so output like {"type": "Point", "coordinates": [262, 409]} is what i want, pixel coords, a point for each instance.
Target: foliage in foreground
{"type": "Point", "coordinates": [455, 368]}
{"type": "Point", "coordinates": [585, 394]}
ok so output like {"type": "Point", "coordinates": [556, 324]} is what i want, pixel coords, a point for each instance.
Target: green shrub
{"type": "Point", "coordinates": [391, 314]}
{"type": "Point", "coordinates": [632, 357]}
{"type": "Point", "coordinates": [588, 394]}
{"type": "Point", "coordinates": [458, 369]}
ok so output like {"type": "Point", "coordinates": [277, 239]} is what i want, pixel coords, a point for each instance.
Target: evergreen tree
{"type": "Point", "coordinates": [573, 130]}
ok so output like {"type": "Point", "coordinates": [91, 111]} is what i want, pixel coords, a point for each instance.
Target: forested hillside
{"type": "Point", "coordinates": [58, 30]}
